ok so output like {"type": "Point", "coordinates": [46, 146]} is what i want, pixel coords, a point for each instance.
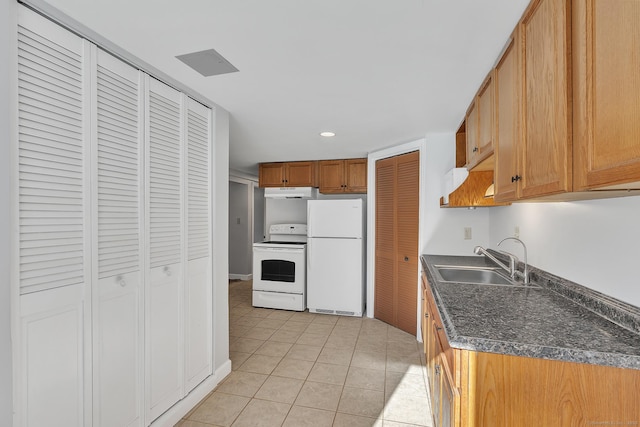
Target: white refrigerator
{"type": "Point", "coordinates": [335, 257]}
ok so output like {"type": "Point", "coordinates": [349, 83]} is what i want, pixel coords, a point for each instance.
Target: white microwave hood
{"type": "Point", "coordinates": [290, 193]}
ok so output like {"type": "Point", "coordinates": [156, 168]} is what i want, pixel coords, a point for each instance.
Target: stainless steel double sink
{"type": "Point", "coordinates": [475, 275]}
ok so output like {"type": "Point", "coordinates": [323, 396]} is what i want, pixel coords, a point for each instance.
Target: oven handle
{"type": "Point", "coordinates": [279, 250]}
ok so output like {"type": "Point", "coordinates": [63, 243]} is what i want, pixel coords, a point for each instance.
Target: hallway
{"type": "Point", "coordinates": [299, 369]}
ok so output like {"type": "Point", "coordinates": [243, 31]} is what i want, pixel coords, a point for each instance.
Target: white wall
{"type": "Point", "coordinates": [593, 243]}
{"type": "Point", "coordinates": [221, 241]}
{"type": "Point", "coordinates": [443, 229]}
{"type": "Point", "coordinates": [7, 93]}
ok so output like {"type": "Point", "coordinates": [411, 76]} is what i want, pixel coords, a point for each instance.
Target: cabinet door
{"type": "Point", "coordinates": [331, 176]}
{"type": "Point", "coordinates": [300, 174]}
{"type": "Point", "coordinates": [355, 175]}
{"type": "Point", "coordinates": [198, 334]}
{"type": "Point", "coordinates": [271, 175]}
{"type": "Point", "coordinates": [164, 326]}
{"type": "Point", "coordinates": [606, 102]}
{"type": "Point", "coordinates": [485, 119]}
{"type": "Point", "coordinates": [546, 148]}
{"type": "Point", "coordinates": [471, 123]}
{"type": "Point", "coordinates": [447, 400]}
{"type": "Point", "coordinates": [507, 129]}
{"type": "Point", "coordinates": [118, 248]}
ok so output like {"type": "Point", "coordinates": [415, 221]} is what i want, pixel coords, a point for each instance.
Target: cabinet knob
{"type": "Point", "coordinates": [406, 258]}
{"type": "Point", "coordinates": [516, 178]}
{"type": "Point", "coordinates": [437, 369]}
{"type": "Point", "coordinates": [475, 149]}
{"type": "Point", "coordinates": [438, 328]}
{"type": "Point", "coordinates": [426, 315]}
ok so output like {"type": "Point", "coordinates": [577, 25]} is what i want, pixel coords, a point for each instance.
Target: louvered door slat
{"type": "Point", "coordinates": [118, 130]}
{"type": "Point", "coordinates": [164, 176]}
{"type": "Point", "coordinates": [198, 180]}
{"type": "Point", "coordinates": [51, 159]}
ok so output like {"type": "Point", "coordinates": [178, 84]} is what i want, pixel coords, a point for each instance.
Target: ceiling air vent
{"type": "Point", "coordinates": [207, 62]}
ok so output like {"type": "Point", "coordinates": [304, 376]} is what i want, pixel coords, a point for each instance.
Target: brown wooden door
{"type": "Point", "coordinates": [546, 148]}
{"type": "Point", "coordinates": [606, 101]}
{"type": "Point", "coordinates": [271, 175]}
{"type": "Point", "coordinates": [397, 211]}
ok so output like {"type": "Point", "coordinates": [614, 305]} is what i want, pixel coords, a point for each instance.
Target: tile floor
{"type": "Point", "coordinates": [297, 369]}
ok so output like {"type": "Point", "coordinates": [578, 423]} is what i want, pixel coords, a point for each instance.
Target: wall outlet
{"type": "Point", "coordinates": [516, 231]}
{"type": "Point", "coordinates": [467, 233]}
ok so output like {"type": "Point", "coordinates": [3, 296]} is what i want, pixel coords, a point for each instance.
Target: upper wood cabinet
{"type": "Point", "coordinates": [288, 174]}
{"type": "Point", "coordinates": [507, 133]}
{"type": "Point", "coordinates": [479, 125]}
{"type": "Point", "coordinates": [545, 166]}
{"type": "Point", "coordinates": [343, 176]}
{"type": "Point", "coordinates": [606, 94]}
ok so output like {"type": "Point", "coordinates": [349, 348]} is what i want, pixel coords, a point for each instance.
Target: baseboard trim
{"type": "Point", "coordinates": [182, 408]}
{"type": "Point", "coordinates": [240, 276]}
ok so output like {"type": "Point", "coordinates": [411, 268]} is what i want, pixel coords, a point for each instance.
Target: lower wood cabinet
{"type": "Point", "coordinates": [470, 388]}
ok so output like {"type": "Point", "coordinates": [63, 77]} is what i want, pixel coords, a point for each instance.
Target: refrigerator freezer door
{"type": "Point", "coordinates": [335, 276]}
{"type": "Point", "coordinates": [335, 218]}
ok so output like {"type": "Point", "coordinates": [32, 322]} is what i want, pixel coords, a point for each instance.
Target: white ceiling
{"type": "Point", "coordinates": [376, 72]}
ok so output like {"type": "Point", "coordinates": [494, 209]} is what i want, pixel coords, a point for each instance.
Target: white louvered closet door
{"type": "Point", "coordinates": [198, 334]}
{"type": "Point", "coordinates": [118, 246]}
{"type": "Point", "coordinates": [52, 229]}
{"type": "Point", "coordinates": [164, 333]}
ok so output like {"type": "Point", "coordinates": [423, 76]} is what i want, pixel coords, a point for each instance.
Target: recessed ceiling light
{"type": "Point", "coordinates": [327, 134]}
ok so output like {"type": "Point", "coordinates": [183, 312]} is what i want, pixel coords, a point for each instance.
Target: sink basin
{"type": "Point", "coordinates": [486, 276]}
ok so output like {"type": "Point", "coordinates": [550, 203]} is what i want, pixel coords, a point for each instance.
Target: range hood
{"type": "Point", "coordinates": [290, 193]}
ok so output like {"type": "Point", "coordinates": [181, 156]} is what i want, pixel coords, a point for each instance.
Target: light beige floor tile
{"type": "Point", "coordinates": [260, 333]}
{"type": "Point", "coordinates": [187, 423]}
{"type": "Point", "coordinates": [409, 364]}
{"type": "Point", "coordinates": [348, 420]}
{"type": "Point", "coordinates": [326, 373]}
{"type": "Point", "coordinates": [357, 401]}
{"type": "Point", "coordinates": [303, 316]}
{"type": "Point", "coordinates": [336, 356]}
{"type": "Point", "coordinates": [260, 364]}
{"type": "Point", "coordinates": [407, 409]}
{"type": "Point", "coordinates": [370, 379]}
{"type": "Point", "coordinates": [238, 358]}
{"type": "Point", "coordinates": [282, 335]}
{"type": "Point", "coordinates": [280, 314]}
{"type": "Point", "coordinates": [260, 413]}
{"type": "Point", "coordinates": [312, 339]}
{"type": "Point", "coordinates": [319, 328]}
{"type": "Point", "coordinates": [398, 383]}
{"type": "Point", "coordinates": [326, 319]}
{"type": "Point", "coordinates": [241, 310]}
{"type": "Point", "coordinates": [245, 345]}
{"type": "Point", "coordinates": [292, 325]}
{"type": "Point", "coordinates": [304, 352]}
{"type": "Point", "coordinates": [386, 423]}
{"type": "Point", "coordinates": [308, 417]}
{"type": "Point", "coordinates": [369, 360]}
{"type": "Point", "coordinates": [242, 383]}
{"type": "Point", "coordinates": [259, 312]}
{"type": "Point", "coordinates": [274, 348]}
{"type": "Point", "coordinates": [271, 323]}
{"type": "Point", "coordinates": [246, 321]}
{"type": "Point", "coordinates": [341, 342]}
{"type": "Point", "coordinates": [292, 368]}
{"type": "Point", "coordinates": [220, 409]}
{"type": "Point", "coordinates": [319, 396]}
{"type": "Point", "coordinates": [238, 331]}
{"type": "Point", "coordinates": [280, 389]}
{"type": "Point", "coordinates": [350, 321]}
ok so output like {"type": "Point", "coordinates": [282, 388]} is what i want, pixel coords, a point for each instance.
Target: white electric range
{"type": "Point", "coordinates": [279, 268]}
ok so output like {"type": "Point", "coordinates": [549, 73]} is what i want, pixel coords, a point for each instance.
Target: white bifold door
{"type": "Point", "coordinates": [118, 266]}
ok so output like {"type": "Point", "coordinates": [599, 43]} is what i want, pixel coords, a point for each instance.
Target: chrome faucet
{"type": "Point", "coordinates": [511, 268]}
{"type": "Point", "coordinates": [482, 251]}
{"type": "Point", "coordinates": [525, 273]}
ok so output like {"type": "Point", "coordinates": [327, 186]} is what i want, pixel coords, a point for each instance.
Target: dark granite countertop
{"type": "Point", "coordinates": [534, 321]}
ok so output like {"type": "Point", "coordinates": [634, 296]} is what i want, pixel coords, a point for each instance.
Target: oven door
{"type": "Point", "coordinates": [279, 269]}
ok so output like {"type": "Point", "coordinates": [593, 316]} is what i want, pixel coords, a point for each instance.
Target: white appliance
{"type": "Point", "coordinates": [290, 193]}
{"type": "Point", "coordinates": [335, 263]}
{"type": "Point", "coordinates": [279, 268]}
